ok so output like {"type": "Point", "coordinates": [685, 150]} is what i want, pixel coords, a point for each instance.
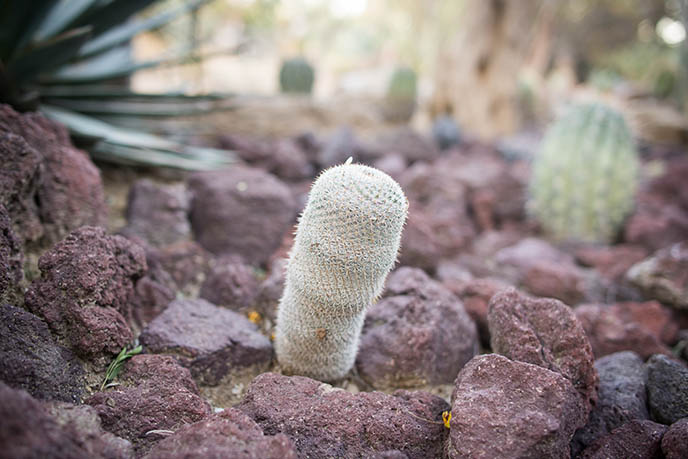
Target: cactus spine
{"type": "Point", "coordinates": [296, 76]}
{"type": "Point", "coordinates": [346, 243]}
{"type": "Point", "coordinates": [584, 178]}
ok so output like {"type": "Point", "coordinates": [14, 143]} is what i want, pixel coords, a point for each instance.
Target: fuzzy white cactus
{"type": "Point", "coordinates": [346, 243]}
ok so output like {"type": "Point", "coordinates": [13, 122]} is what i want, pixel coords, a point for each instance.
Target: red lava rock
{"type": "Point", "coordinates": [416, 336]}
{"type": "Point", "coordinates": [286, 158]}
{"type": "Point", "coordinates": [407, 143]}
{"type": "Point", "coordinates": [675, 440]}
{"type": "Point", "coordinates": [228, 434]}
{"type": "Point", "coordinates": [231, 284]}
{"type": "Point", "coordinates": [271, 288]}
{"type": "Point", "coordinates": [543, 332]}
{"type": "Point", "coordinates": [241, 211]}
{"type": "Point", "coordinates": [157, 213]}
{"type": "Point", "coordinates": [438, 224]}
{"type": "Point", "coordinates": [611, 261]}
{"type": "Point", "coordinates": [635, 439]}
{"type": "Point", "coordinates": [339, 147]}
{"type": "Point", "coordinates": [155, 393]}
{"type": "Point", "coordinates": [392, 164]}
{"type": "Point", "coordinates": [496, 193]}
{"type": "Point", "coordinates": [323, 421]}
{"type": "Point", "coordinates": [208, 339]}
{"type": "Point", "coordinates": [661, 215]}
{"type": "Point", "coordinates": [85, 288]}
{"type": "Point", "coordinates": [69, 189]}
{"type": "Point", "coordinates": [475, 295]}
{"type": "Point", "coordinates": [563, 281]}
{"type": "Point", "coordinates": [506, 408]}
{"type": "Point", "coordinates": [621, 398]}
{"type": "Point", "coordinates": [664, 276]}
{"type": "Point", "coordinates": [30, 429]}
{"type": "Point", "coordinates": [21, 170]}
{"type": "Point", "coordinates": [153, 292]}
{"type": "Point", "coordinates": [11, 261]}
{"type": "Point", "coordinates": [31, 360]}
{"type": "Point", "coordinates": [186, 261]}
{"type": "Point", "coordinates": [546, 271]}
{"type": "Point", "coordinates": [637, 327]}
{"type": "Point", "coordinates": [289, 162]}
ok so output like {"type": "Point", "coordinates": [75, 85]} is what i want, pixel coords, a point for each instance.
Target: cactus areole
{"type": "Point", "coordinates": [346, 243]}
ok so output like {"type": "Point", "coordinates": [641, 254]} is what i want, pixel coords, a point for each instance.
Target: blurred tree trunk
{"type": "Point", "coordinates": [477, 77]}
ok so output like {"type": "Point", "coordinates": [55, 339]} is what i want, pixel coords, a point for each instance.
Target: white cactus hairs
{"type": "Point", "coordinates": [347, 241]}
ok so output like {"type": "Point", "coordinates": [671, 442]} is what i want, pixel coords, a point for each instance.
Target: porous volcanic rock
{"type": "Point", "coordinates": [241, 211]}
{"type": "Point", "coordinates": [475, 295]}
{"type": "Point", "coordinates": [611, 261]}
{"type": "Point", "coordinates": [667, 389]}
{"type": "Point", "coordinates": [155, 393]}
{"type": "Point", "coordinates": [660, 218]}
{"type": "Point", "coordinates": [323, 421]}
{"type": "Point", "coordinates": [419, 333]}
{"type": "Point", "coordinates": [621, 398]}
{"type": "Point", "coordinates": [438, 224]}
{"type": "Point", "coordinates": [664, 276]}
{"type": "Point", "coordinates": [232, 284]}
{"type": "Point", "coordinates": [208, 339]}
{"type": "Point", "coordinates": [543, 332]}
{"type": "Point", "coordinates": [158, 213]}
{"type": "Point", "coordinates": [69, 190]}
{"type": "Point", "coordinates": [30, 429]}
{"type": "Point", "coordinates": [537, 410]}
{"type": "Point", "coordinates": [11, 261]}
{"type": "Point", "coordinates": [637, 327]}
{"type": "Point", "coordinates": [84, 290]}
{"type": "Point", "coordinates": [228, 434]}
{"type": "Point", "coordinates": [31, 360]}
{"type": "Point", "coordinates": [675, 440]}
{"type": "Point", "coordinates": [21, 170]}
{"type": "Point", "coordinates": [635, 439]}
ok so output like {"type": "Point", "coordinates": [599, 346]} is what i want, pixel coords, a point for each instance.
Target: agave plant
{"type": "Point", "coordinates": [67, 58]}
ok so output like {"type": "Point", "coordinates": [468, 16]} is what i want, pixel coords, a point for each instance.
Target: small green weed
{"type": "Point", "coordinates": [116, 365]}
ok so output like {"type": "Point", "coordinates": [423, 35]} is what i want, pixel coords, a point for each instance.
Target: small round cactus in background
{"type": "Point", "coordinates": [296, 76]}
{"type": "Point", "coordinates": [400, 100]}
{"type": "Point", "coordinates": [346, 243]}
{"type": "Point", "coordinates": [584, 177]}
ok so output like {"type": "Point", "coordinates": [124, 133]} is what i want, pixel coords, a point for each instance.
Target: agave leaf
{"type": "Point", "coordinates": [18, 21]}
{"type": "Point", "coordinates": [119, 154]}
{"type": "Point", "coordinates": [81, 125]}
{"type": "Point", "coordinates": [48, 55]}
{"type": "Point", "coordinates": [117, 63]}
{"type": "Point", "coordinates": [60, 17]}
{"type": "Point", "coordinates": [101, 91]}
{"type": "Point", "coordinates": [138, 107]}
{"type": "Point", "coordinates": [123, 33]}
{"type": "Point", "coordinates": [111, 14]}
{"type": "Point", "coordinates": [112, 64]}
{"type": "Point", "coordinates": [137, 147]}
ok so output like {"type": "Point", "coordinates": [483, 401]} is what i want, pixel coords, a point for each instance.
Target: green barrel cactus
{"type": "Point", "coordinates": [346, 243]}
{"type": "Point", "coordinates": [400, 100]}
{"type": "Point", "coordinates": [584, 178]}
{"type": "Point", "coordinates": [296, 76]}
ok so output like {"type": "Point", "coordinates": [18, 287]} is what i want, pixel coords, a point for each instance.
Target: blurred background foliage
{"type": "Point", "coordinates": [497, 67]}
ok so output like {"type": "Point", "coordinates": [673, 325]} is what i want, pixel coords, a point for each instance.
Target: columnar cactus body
{"type": "Point", "coordinates": [584, 178]}
{"type": "Point", "coordinates": [346, 243]}
{"type": "Point", "coordinates": [296, 76]}
{"type": "Point", "coordinates": [400, 101]}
